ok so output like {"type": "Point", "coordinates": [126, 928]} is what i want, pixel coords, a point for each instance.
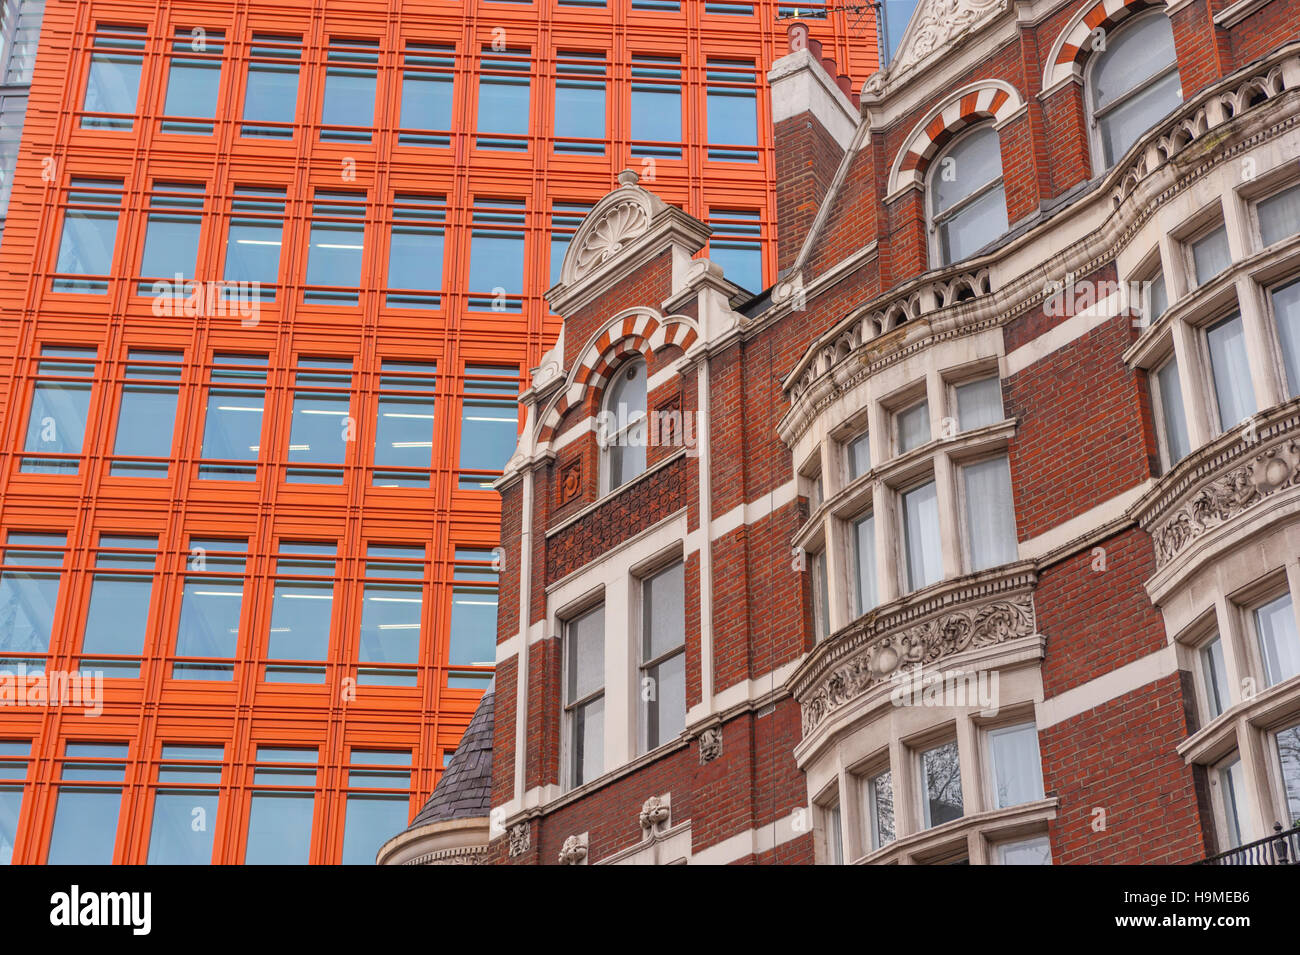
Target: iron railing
{"type": "Point", "coordinates": [1281, 848]}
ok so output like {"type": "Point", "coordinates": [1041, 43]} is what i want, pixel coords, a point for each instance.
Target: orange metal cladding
{"type": "Point", "coordinates": [246, 712]}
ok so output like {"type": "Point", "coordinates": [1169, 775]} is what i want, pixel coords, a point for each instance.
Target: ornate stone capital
{"type": "Point", "coordinates": [574, 850]}
{"type": "Point", "coordinates": [654, 814]}
{"type": "Point", "coordinates": [710, 744]}
{"type": "Point", "coordinates": [521, 838]}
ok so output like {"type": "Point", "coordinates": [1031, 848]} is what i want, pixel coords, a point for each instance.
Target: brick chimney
{"type": "Point", "coordinates": [815, 112]}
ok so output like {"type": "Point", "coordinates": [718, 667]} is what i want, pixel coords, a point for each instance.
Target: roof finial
{"type": "Point", "coordinates": [628, 178]}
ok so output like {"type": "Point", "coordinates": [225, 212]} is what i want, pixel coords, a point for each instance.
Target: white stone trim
{"type": "Point", "coordinates": [800, 84]}
{"type": "Point", "coordinates": [755, 841]}
{"type": "Point", "coordinates": [1059, 537]}
{"type": "Point", "coordinates": [1107, 687]}
{"type": "Point", "coordinates": [1234, 13]}
{"type": "Point", "coordinates": [1072, 328]}
{"type": "Point", "coordinates": [754, 511]}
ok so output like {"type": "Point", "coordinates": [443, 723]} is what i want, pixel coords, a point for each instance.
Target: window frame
{"type": "Point", "coordinates": [607, 442]}
{"type": "Point", "coordinates": [1096, 151]}
{"type": "Point", "coordinates": [569, 708]}
{"type": "Point", "coordinates": [933, 220]}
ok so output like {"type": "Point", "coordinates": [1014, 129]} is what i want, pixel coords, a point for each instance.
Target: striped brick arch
{"type": "Point", "coordinates": [987, 99]}
{"type": "Point", "coordinates": [1073, 47]}
{"type": "Point", "coordinates": [637, 332]}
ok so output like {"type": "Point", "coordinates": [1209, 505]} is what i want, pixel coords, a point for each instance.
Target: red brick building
{"type": "Point", "coordinates": [976, 538]}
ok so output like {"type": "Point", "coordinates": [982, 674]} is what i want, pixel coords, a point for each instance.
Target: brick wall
{"type": "Point", "coordinates": [1120, 758]}
{"type": "Point", "coordinates": [1081, 437]}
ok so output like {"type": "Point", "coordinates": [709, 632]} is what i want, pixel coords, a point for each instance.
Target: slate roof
{"type": "Point", "coordinates": [465, 789]}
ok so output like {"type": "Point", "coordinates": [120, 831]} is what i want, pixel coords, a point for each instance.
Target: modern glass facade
{"type": "Point", "coordinates": [277, 273]}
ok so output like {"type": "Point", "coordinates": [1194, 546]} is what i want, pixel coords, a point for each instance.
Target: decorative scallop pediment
{"type": "Point", "coordinates": [620, 224]}
{"type": "Point", "coordinates": [613, 224]}
{"type": "Point", "coordinates": [936, 25]}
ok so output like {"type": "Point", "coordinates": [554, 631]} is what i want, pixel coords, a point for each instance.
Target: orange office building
{"type": "Point", "coordinates": [271, 281]}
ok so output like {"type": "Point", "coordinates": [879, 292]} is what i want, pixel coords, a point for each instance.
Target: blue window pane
{"type": "Point", "coordinates": [473, 627]}
{"type": "Point", "coordinates": [350, 90]}
{"type": "Point", "coordinates": [732, 106]}
{"type": "Point", "coordinates": [279, 829]}
{"type": "Point", "coordinates": [415, 262]}
{"type": "Point", "coordinates": [318, 430]}
{"type": "Point", "coordinates": [57, 425]}
{"type": "Point", "coordinates": [184, 822]}
{"type": "Point", "coordinates": [193, 82]}
{"type": "Point", "coordinates": [404, 427]}
{"type": "Point", "coordinates": [742, 264]}
{"type": "Point", "coordinates": [300, 629]}
{"type": "Point", "coordinates": [427, 95]}
{"type": "Point", "coordinates": [253, 252]}
{"type": "Point", "coordinates": [11, 804]}
{"type": "Point", "coordinates": [209, 627]}
{"type": "Point", "coordinates": [233, 431]}
{"type": "Point", "coordinates": [88, 236]}
{"type": "Point", "coordinates": [580, 103]}
{"type": "Point", "coordinates": [87, 244]}
{"type": "Point", "coordinates": [27, 603]}
{"type": "Point", "coordinates": [271, 93]}
{"type": "Point", "coordinates": [656, 107]}
{"type": "Point", "coordinates": [504, 93]}
{"type": "Point", "coordinates": [336, 245]}
{"type": "Point", "coordinates": [116, 621]}
{"type": "Point", "coordinates": [85, 827]}
{"type": "Point", "coordinates": [171, 247]}
{"type": "Point", "coordinates": [254, 237]}
{"type": "Point", "coordinates": [415, 251]}
{"type": "Point", "coordinates": [171, 244]}
{"type": "Point", "coordinates": [496, 261]}
{"type": "Point", "coordinates": [390, 623]}
{"type": "Point", "coordinates": [145, 420]}
{"type": "Point", "coordinates": [113, 84]}
{"type": "Point", "coordinates": [371, 821]}
{"type": "Point", "coordinates": [488, 435]}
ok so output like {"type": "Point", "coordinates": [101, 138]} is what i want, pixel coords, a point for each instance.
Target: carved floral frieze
{"type": "Point", "coordinates": [1227, 494]}
{"type": "Point", "coordinates": [880, 657]}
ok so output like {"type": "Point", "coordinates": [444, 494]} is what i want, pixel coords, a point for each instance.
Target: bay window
{"type": "Point", "coordinates": [922, 540]}
{"type": "Point", "coordinates": [1230, 369]}
{"type": "Point", "coordinates": [990, 517]}
{"type": "Point", "coordinates": [1016, 769]}
{"type": "Point", "coordinates": [941, 798]}
{"type": "Point", "coordinates": [1279, 644]}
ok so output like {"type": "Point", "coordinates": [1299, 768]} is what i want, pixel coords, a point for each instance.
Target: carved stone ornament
{"type": "Point", "coordinates": [620, 224]}
{"type": "Point", "coordinates": [654, 813]}
{"type": "Point", "coordinates": [984, 625]}
{"type": "Point", "coordinates": [936, 24]}
{"type": "Point", "coordinates": [521, 839]}
{"type": "Point", "coordinates": [1226, 496]}
{"type": "Point", "coordinates": [574, 850]}
{"type": "Point", "coordinates": [710, 744]}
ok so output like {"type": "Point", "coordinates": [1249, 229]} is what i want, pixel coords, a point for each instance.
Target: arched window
{"type": "Point", "coordinates": [968, 208]}
{"type": "Point", "coordinates": [1132, 84]}
{"type": "Point", "coordinates": [621, 429]}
